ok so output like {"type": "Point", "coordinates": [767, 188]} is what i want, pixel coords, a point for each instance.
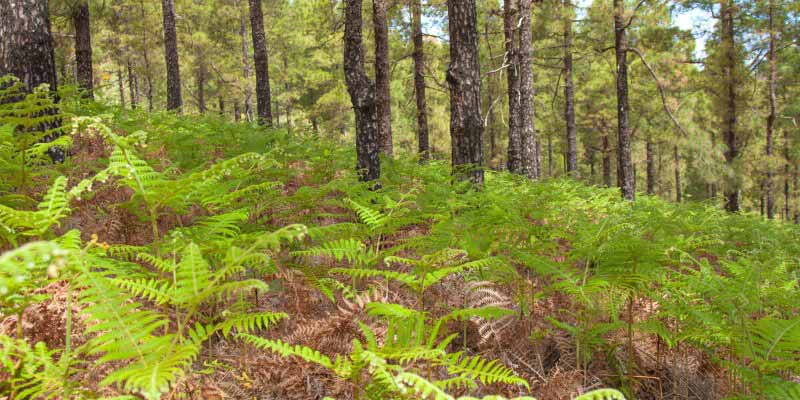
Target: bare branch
{"type": "Point", "coordinates": [660, 90]}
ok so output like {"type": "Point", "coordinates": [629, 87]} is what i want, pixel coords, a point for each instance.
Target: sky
{"type": "Point", "coordinates": [700, 22]}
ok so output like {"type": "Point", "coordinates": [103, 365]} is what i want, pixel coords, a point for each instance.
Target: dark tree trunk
{"type": "Point", "coordinates": [83, 48]}
{"type": "Point", "coordinates": [237, 111]}
{"type": "Point", "coordinates": [773, 76]}
{"type": "Point", "coordinates": [463, 78]}
{"type": "Point", "coordinates": [713, 185]}
{"type": "Point", "coordinates": [248, 90]}
{"type": "Point", "coordinates": [146, 59]}
{"type": "Point", "coordinates": [490, 96]}
{"type": "Point", "coordinates": [549, 156]}
{"type": "Point", "coordinates": [531, 148]}
{"type": "Point", "coordinates": [510, 32]}
{"type": "Point", "coordinates": [569, 95]}
{"type": "Point", "coordinates": [26, 51]}
{"type": "Point", "coordinates": [786, 192]}
{"type": "Point", "coordinates": [26, 45]}
{"type": "Point", "coordinates": [362, 96]}
{"type": "Point", "coordinates": [221, 104]}
{"type": "Point", "coordinates": [288, 107]}
{"type": "Point", "coordinates": [132, 85]}
{"type": "Point", "coordinates": [625, 165]}
{"type": "Point", "coordinates": [651, 167]}
{"type": "Point", "coordinates": [261, 62]}
{"type": "Point", "coordinates": [174, 98]}
{"type": "Point", "coordinates": [729, 111]}
{"type": "Point", "coordinates": [382, 74]}
{"type": "Point", "coordinates": [419, 81]}
{"type": "Point", "coordinates": [590, 156]}
{"type": "Point", "coordinates": [606, 162]}
{"type": "Point", "coordinates": [121, 82]}
{"type": "Point", "coordinates": [200, 80]}
{"type": "Point", "coordinates": [677, 161]}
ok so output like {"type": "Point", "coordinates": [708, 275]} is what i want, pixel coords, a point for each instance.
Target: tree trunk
{"type": "Point", "coordinates": [174, 99]}
{"type": "Point", "coordinates": [463, 78]}
{"type": "Point", "coordinates": [773, 75]}
{"type": "Point", "coordinates": [569, 94]}
{"type": "Point", "coordinates": [201, 87]}
{"type": "Point", "coordinates": [121, 82]}
{"type": "Point", "coordinates": [26, 51]}
{"type": "Point", "coordinates": [26, 45]}
{"type": "Point", "coordinates": [261, 62]}
{"type": "Point", "coordinates": [651, 167]}
{"type": "Point", "coordinates": [419, 81]}
{"type": "Point", "coordinates": [83, 49]}
{"type": "Point", "coordinates": [146, 59]}
{"type": "Point", "coordinates": [606, 162]}
{"type": "Point", "coordinates": [677, 161]}
{"type": "Point", "coordinates": [288, 107]}
{"type": "Point", "coordinates": [729, 111]}
{"type": "Point", "coordinates": [248, 90]}
{"type": "Point", "coordinates": [490, 96]}
{"type": "Point", "coordinates": [237, 111]}
{"type": "Point", "coordinates": [362, 96]}
{"type": "Point", "coordinates": [221, 104]}
{"type": "Point", "coordinates": [514, 161]}
{"type": "Point", "coordinates": [625, 166]}
{"type": "Point", "coordinates": [531, 149]}
{"type": "Point", "coordinates": [786, 192]}
{"type": "Point", "coordinates": [132, 84]}
{"type": "Point", "coordinates": [382, 74]}
{"type": "Point", "coordinates": [549, 156]}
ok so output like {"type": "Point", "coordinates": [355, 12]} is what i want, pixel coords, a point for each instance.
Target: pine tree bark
{"type": "Point", "coordinates": [423, 146]}
{"type": "Point", "coordinates": [531, 149]}
{"type": "Point", "coordinates": [651, 167]}
{"type": "Point", "coordinates": [362, 95]}
{"type": "Point", "coordinates": [26, 44]}
{"type": "Point", "coordinates": [288, 107]}
{"type": "Point", "coordinates": [121, 87]}
{"type": "Point", "coordinates": [83, 49]}
{"type": "Point", "coordinates": [727, 38]}
{"type": "Point", "coordinates": [770, 148]}
{"type": "Point", "coordinates": [146, 59]}
{"type": "Point", "coordinates": [677, 165]}
{"type": "Point", "coordinates": [624, 163]}
{"type": "Point", "coordinates": [569, 95]}
{"type": "Point", "coordinates": [510, 32]}
{"type": "Point", "coordinates": [606, 162]}
{"type": "Point", "coordinates": [261, 62]}
{"type": "Point", "coordinates": [200, 80]}
{"type": "Point", "coordinates": [786, 172]}
{"type": "Point", "coordinates": [382, 74]}
{"type": "Point", "coordinates": [248, 90]}
{"type": "Point", "coordinates": [174, 97]}
{"type": "Point", "coordinates": [463, 78]}
{"type": "Point", "coordinates": [132, 86]}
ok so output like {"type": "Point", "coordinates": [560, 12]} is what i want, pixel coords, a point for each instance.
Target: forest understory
{"type": "Point", "coordinates": [184, 258]}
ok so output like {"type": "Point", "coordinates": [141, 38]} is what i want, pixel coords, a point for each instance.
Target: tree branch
{"type": "Point", "coordinates": [660, 90]}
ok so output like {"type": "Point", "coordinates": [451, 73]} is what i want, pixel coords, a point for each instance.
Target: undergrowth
{"type": "Point", "coordinates": [452, 290]}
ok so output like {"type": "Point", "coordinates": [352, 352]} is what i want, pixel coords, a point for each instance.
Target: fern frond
{"type": "Point", "coordinates": [352, 250]}
{"type": "Point", "coordinates": [372, 218]}
{"type": "Point", "coordinates": [245, 323]}
{"type": "Point", "coordinates": [602, 394]}
{"type": "Point", "coordinates": [479, 368]}
{"type": "Point", "coordinates": [285, 350]}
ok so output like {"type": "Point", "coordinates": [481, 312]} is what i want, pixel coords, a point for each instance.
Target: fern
{"type": "Point", "coordinates": [602, 394]}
